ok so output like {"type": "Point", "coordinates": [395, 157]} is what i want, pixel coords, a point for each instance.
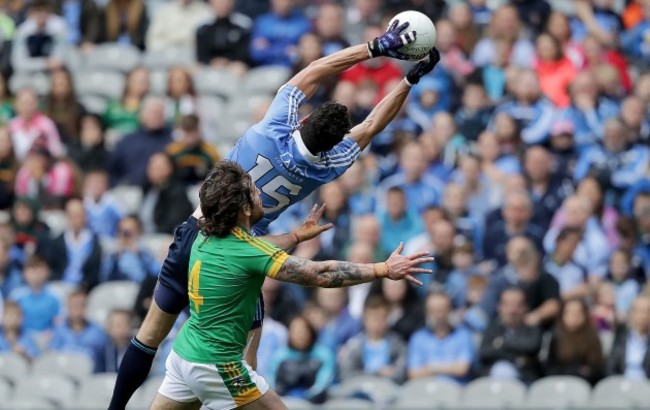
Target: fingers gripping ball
{"type": "Point", "coordinates": [425, 34]}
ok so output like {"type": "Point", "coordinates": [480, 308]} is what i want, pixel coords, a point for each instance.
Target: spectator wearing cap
{"type": "Point", "coordinates": [548, 189]}
{"type": "Point", "coordinates": [397, 222]}
{"type": "Point", "coordinates": [510, 346]}
{"type": "Point", "coordinates": [41, 41]}
{"type": "Point", "coordinates": [75, 255]}
{"type": "Point", "coordinates": [571, 276]}
{"type": "Point", "coordinates": [593, 250]}
{"type": "Point", "coordinates": [630, 355]}
{"type": "Point", "coordinates": [517, 214]}
{"type": "Point", "coordinates": [276, 34]}
{"type": "Point", "coordinates": [124, 22]}
{"type": "Point", "coordinates": [376, 351]}
{"type": "Point", "coordinates": [440, 349]}
{"type": "Point", "coordinates": [44, 178]}
{"type": "Point", "coordinates": [76, 333]}
{"type": "Point", "coordinates": [30, 125]}
{"type": "Point", "coordinates": [525, 270]}
{"type": "Point", "coordinates": [184, 16]}
{"type": "Point", "coordinates": [130, 261]}
{"type": "Point", "coordinates": [192, 156]}
{"type": "Point", "coordinates": [588, 110]}
{"type": "Point", "coordinates": [329, 27]}
{"type": "Point", "coordinates": [533, 112]}
{"type": "Point", "coordinates": [82, 18]}
{"type": "Point", "coordinates": [224, 41]}
{"type": "Point", "coordinates": [421, 189]}
{"type": "Point", "coordinates": [616, 161]}
{"type": "Point", "coordinates": [127, 164]}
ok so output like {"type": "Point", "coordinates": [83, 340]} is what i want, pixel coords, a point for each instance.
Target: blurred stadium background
{"type": "Point", "coordinates": [521, 161]}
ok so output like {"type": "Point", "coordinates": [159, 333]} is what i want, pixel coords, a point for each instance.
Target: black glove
{"type": "Point", "coordinates": [388, 43]}
{"type": "Point", "coordinates": [423, 67]}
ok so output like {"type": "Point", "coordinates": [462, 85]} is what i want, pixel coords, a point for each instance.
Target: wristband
{"type": "Point", "coordinates": [381, 270]}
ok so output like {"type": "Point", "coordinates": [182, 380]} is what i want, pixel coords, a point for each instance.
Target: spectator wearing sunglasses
{"type": "Point", "coordinates": [130, 261]}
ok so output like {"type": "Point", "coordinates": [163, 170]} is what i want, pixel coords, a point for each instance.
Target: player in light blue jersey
{"type": "Point", "coordinates": [288, 159]}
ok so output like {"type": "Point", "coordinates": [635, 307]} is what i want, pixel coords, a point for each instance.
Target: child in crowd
{"type": "Point", "coordinates": [103, 212]}
{"type": "Point", "coordinates": [626, 288]}
{"type": "Point", "coordinates": [13, 337]}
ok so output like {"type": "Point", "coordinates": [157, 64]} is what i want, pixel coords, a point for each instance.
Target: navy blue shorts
{"type": "Point", "coordinates": [171, 290]}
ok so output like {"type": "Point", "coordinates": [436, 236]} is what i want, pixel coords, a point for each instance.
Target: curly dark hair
{"type": "Point", "coordinates": [226, 189]}
{"type": "Point", "coordinates": [326, 127]}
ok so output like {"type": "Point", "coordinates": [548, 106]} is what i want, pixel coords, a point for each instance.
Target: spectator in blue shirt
{"type": "Point", "coordinates": [10, 274]}
{"type": "Point", "coordinates": [39, 304]}
{"type": "Point", "coordinates": [635, 40]}
{"type": "Point", "coordinates": [630, 356]}
{"type": "Point", "coordinates": [597, 19]}
{"type": "Point", "coordinates": [130, 261]}
{"type": "Point", "coordinates": [571, 276]}
{"type": "Point", "coordinates": [377, 351]}
{"type": "Point", "coordinates": [276, 34]}
{"type": "Point", "coordinates": [76, 333]}
{"type": "Point", "coordinates": [118, 329]}
{"type": "Point", "coordinates": [617, 162]}
{"type": "Point", "coordinates": [627, 289]}
{"type": "Point", "coordinates": [397, 222]}
{"type": "Point", "coordinates": [339, 326]}
{"type": "Point", "coordinates": [304, 369]}
{"type": "Point", "coordinates": [534, 112]}
{"type": "Point", "coordinates": [13, 337]}
{"type": "Point", "coordinates": [440, 350]}
{"type": "Point", "coordinates": [358, 185]}
{"type": "Point", "coordinates": [642, 217]}
{"type": "Point", "coordinates": [421, 189]}
{"type": "Point", "coordinates": [102, 211]}
{"type": "Point", "coordinates": [456, 286]}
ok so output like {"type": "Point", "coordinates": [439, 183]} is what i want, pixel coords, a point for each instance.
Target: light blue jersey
{"type": "Point", "coordinates": [274, 155]}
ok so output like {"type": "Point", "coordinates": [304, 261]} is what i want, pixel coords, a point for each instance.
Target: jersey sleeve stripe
{"type": "Point", "coordinates": [279, 259]}
{"type": "Point", "coordinates": [261, 245]}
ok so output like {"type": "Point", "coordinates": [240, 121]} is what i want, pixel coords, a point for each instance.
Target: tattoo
{"type": "Point", "coordinates": [328, 274]}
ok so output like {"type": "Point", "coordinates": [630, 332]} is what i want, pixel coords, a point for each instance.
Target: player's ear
{"type": "Point", "coordinates": [247, 210]}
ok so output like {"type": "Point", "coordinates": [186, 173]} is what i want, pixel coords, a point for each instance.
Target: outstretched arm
{"type": "Point", "coordinates": [336, 274]}
{"type": "Point", "coordinates": [307, 231]}
{"type": "Point", "coordinates": [391, 104]}
{"type": "Point", "coordinates": [387, 44]}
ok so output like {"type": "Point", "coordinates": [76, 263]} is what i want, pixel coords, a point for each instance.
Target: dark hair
{"type": "Point", "coordinates": [35, 261]}
{"type": "Point", "coordinates": [310, 328]}
{"type": "Point", "coordinates": [374, 302]}
{"type": "Point", "coordinates": [225, 191]}
{"type": "Point", "coordinates": [588, 351]}
{"type": "Point", "coordinates": [135, 218]}
{"type": "Point", "coordinates": [77, 292]}
{"type": "Point", "coordinates": [566, 232]}
{"type": "Point", "coordinates": [395, 190]}
{"type": "Point", "coordinates": [40, 5]}
{"type": "Point", "coordinates": [325, 127]}
{"type": "Point", "coordinates": [189, 122]}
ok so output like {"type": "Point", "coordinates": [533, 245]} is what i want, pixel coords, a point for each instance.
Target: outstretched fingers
{"type": "Point", "coordinates": [399, 249]}
{"type": "Point", "coordinates": [400, 28]}
{"type": "Point", "coordinates": [413, 280]}
{"type": "Point", "coordinates": [393, 26]}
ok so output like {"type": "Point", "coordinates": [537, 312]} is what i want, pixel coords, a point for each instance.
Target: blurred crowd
{"type": "Point", "coordinates": [522, 163]}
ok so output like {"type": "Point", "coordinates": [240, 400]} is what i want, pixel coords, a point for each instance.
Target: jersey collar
{"type": "Point", "coordinates": [302, 148]}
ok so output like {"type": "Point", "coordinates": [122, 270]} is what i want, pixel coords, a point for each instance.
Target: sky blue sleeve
{"type": "Point", "coordinates": [416, 347]}
{"type": "Point", "coordinates": [282, 117]}
{"type": "Point", "coordinates": [633, 172]}
{"type": "Point", "coordinates": [342, 156]}
{"type": "Point", "coordinates": [537, 132]}
{"type": "Point", "coordinates": [466, 341]}
{"type": "Point", "coordinates": [326, 373]}
{"type": "Point", "coordinates": [582, 166]}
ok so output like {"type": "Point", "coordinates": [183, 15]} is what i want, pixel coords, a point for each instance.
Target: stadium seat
{"type": "Point", "coordinates": [558, 392]}
{"type": "Point", "coordinates": [158, 82]}
{"type": "Point", "coordinates": [6, 390]}
{"type": "Point", "coordinates": [128, 197]}
{"type": "Point", "coordinates": [89, 403]}
{"type": "Point", "coordinates": [606, 341]}
{"type": "Point", "coordinates": [108, 245]}
{"type": "Point", "coordinates": [113, 57]}
{"type": "Point", "coordinates": [297, 404]}
{"type": "Point", "coordinates": [13, 367]}
{"type": "Point", "coordinates": [347, 404]}
{"type": "Point", "coordinates": [157, 243]}
{"type": "Point", "coordinates": [76, 366]}
{"type": "Point", "coordinates": [94, 104]}
{"type": "Point", "coordinates": [379, 389]}
{"type": "Point", "coordinates": [212, 111]}
{"type": "Point", "coordinates": [266, 79]}
{"type": "Point", "coordinates": [103, 84]}
{"type": "Point", "coordinates": [428, 393]}
{"type": "Point", "coordinates": [98, 387]}
{"type": "Point", "coordinates": [40, 82]}
{"type": "Point", "coordinates": [168, 58]}
{"type": "Point", "coordinates": [111, 295]}
{"type": "Point", "coordinates": [54, 388]}
{"type": "Point", "coordinates": [636, 392]}
{"type": "Point", "coordinates": [56, 221]}
{"type": "Point", "coordinates": [222, 83]}
{"type": "Point", "coordinates": [490, 393]}
{"type": "Point", "coordinates": [26, 403]}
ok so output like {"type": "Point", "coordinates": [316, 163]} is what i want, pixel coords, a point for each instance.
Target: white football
{"type": "Point", "coordinates": [425, 34]}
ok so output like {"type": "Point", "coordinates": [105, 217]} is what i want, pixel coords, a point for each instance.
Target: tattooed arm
{"type": "Point", "coordinates": [336, 274]}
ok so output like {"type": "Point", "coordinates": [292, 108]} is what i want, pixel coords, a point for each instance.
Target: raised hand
{"type": "Point", "coordinates": [310, 228]}
{"type": "Point", "coordinates": [423, 67]}
{"type": "Point", "coordinates": [399, 266]}
{"type": "Point", "coordinates": [392, 40]}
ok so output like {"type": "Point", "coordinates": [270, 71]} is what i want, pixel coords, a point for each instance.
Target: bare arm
{"type": "Point", "coordinates": [381, 115]}
{"type": "Point", "coordinates": [308, 230]}
{"type": "Point", "coordinates": [336, 274]}
{"type": "Point", "coordinates": [310, 78]}
{"type": "Point", "coordinates": [458, 369]}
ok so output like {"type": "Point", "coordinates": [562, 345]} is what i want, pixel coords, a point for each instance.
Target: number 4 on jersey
{"type": "Point", "coordinates": [262, 167]}
{"type": "Point", "coordinates": [193, 286]}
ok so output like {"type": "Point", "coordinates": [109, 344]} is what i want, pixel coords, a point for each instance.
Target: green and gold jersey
{"type": "Point", "coordinates": [225, 279]}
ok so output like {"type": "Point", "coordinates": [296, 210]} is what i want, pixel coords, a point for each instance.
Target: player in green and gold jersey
{"type": "Point", "coordinates": [227, 269]}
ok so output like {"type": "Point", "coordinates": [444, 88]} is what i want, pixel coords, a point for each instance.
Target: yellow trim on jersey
{"type": "Point", "coordinates": [247, 396]}
{"type": "Point", "coordinates": [277, 255]}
